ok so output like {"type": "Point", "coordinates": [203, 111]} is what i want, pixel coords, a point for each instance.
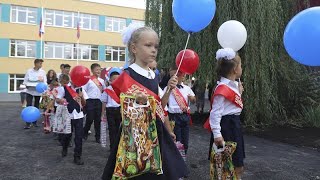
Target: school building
{"type": "Point", "coordinates": [75, 31]}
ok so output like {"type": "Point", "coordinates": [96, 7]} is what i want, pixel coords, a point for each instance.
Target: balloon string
{"type": "Point", "coordinates": [184, 51]}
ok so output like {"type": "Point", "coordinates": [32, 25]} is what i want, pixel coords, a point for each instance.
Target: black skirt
{"type": "Point", "coordinates": [231, 131]}
{"type": "Point", "coordinates": [173, 165]}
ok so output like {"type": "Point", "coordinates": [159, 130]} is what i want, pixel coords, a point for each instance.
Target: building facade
{"type": "Point", "coordinates": [100, 27]}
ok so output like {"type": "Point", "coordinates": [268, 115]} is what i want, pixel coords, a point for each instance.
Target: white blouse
{"type": "Point", "coordinates": [222, 107]}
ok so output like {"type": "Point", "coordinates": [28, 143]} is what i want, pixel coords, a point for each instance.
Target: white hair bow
{"type": "Point", "coordinates": [127, 32]}
{"type": "Point", "coordinates": [225, 53]}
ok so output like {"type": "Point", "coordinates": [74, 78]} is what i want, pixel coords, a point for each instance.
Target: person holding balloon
{"type": "Point", "coordinates": [32, 78]}
{"type": "Point", "coordinates": [149, 157]}
{"type": "Point", "coordinates": [178, 108]}
{"type": "Point", "coordinates": [75, 99]}
{"type": "Point", "coordinates": [224, 119]}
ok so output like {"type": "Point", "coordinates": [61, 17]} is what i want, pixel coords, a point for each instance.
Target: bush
{"type": "Point", "coordinates": [311, 116]}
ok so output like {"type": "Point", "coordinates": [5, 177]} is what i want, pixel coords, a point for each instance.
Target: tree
{"type": "Point", "coordinates": [276, 87]}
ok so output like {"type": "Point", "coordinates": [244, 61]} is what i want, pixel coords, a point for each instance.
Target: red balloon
{"type": "Point", "coordinates": [80, 75]}
{"type": "Point", "coordinates": [190, 62]}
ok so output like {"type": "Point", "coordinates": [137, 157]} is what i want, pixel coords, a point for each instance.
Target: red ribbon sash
{"type": "Point", "coordinates": [124, 83]}
{"type": "Point", "coordinates": [96, 82]}
{"type": "Point", "coordinates": [74, 95]}
{"type": "Point", "coordinates": [229, 94]}
{"type": "Point", "coordinates": [180, 100]}
{"type": "Point", "coordinates": [113, 95]}
{"type": "Point", "coordinates": [72, 92]}
{"type": "Point", "coordinates": [54, 92]}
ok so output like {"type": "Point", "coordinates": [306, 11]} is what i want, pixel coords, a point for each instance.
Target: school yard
{"type": "Point", "coordinates": [33, 155]}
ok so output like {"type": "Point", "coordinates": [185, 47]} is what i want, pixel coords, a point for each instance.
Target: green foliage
{"type": "Point", "coordinates": [311, 116]}
{"type": "Point", "coordinates": [276, 87]}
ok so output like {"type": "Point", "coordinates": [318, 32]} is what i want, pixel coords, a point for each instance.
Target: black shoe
{"type": "Point", "coordinates": [64, 152]}
{"type": "Point", "coordinates": [27, 127]}
{"type": "Point", "coordinates": [78, 161]}
{"type": "Point", "coordinates": [98, 141]}
{"type": "Point", "coordinates": [70, 144]}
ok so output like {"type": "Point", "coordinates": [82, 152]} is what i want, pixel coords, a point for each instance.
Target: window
{"type": "Point", "coordinates": [138, 22]}
{"type": "Point", "coordinates": [14, 82]}
{"type": "Point", "coordinates": [115, 24]}
{"type": "Point", "coordinates": [87, 52]}
{"type": "Point", "coordinates": [70, 19]}
{"type": "Point", "coordinates": [21, 48]}
{"type": "Point", "coordinates": [115, 53]}
{"type": "Point", "coordinates": [58, 18]}
{"type": "Point", "coordinates": [25, 15]}
{"type": "Point", "coordinates": [53, 50]}
{"type": "Point", "coordinates": [90, 22]}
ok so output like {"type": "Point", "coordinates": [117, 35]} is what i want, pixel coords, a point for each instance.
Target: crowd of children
{"type": "Point", "coordinates": [139, 112]}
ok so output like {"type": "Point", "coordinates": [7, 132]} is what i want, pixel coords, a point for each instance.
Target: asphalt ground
{"type": "Point", "coordinates": [33, 155]}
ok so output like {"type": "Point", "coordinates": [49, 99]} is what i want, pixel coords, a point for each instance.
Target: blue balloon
{"type": "Point", "coordinates": [302, 37]}
{"type": "Point", "coordinates": [30, 114]}
{"type": "Point", "coordinates": [41, 87]}
{"type": "Point", "coordinates": [193, 15]}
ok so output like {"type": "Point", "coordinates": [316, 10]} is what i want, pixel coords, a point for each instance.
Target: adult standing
{"type": "Point", "coordinates": [34, 76]}
{"type": "Point", "coordinates": [51, 76]}
{"type": "Point", "coordinates": [61, 69]}
{"type": "Point", "coordinates": [66, 69]}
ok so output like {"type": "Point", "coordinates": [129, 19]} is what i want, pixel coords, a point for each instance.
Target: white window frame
{"type": "Point", "coordinates": [73, 55]}
{"type": "Point", "coordinates": [91, 18]}
{"type": "Point", "coordinates": [115, 49]}
{"type": "Point", "coordinates": [54, 12]}
{"type": "Point", "coordinates": [113, 20]}
{"type": "Point", "coordinates": [75, 17]}
{"type": "Point", "coordinates": [27, 43]}
{"type": "Point", "coordinates": [16, 89]}
{"type": "Point", "coordinates": [82, 48]}
{"type": "Point", "coordinates": [28, 9]}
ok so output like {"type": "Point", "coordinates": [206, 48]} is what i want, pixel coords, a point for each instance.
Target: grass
{"type": "Point", "coordinates": [311, 116]}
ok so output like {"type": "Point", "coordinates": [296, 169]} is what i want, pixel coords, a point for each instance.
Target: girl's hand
{"type": "Point", "coordinates": [80, 94]}
{"type": "Point", "coordinates": [173, 82]}
{"type": "Point", "coordinates": [241, 88]}
{"type": "Point", "coordinates": [219, 141]}
{"type": "Point", "coordinates": [141, 98]}
{"type": "Point", "coordinates": [173, 136]}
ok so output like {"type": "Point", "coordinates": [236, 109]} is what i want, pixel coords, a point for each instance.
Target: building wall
{"type": "Point", "coordinates": [8, 30]}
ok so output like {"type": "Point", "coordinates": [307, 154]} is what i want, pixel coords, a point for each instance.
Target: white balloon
{"type": "Point", "coordinates": [232, 34]}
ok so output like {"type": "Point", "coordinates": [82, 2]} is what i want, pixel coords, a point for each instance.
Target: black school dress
{"type": "Point", "coordinates": [173, 165]}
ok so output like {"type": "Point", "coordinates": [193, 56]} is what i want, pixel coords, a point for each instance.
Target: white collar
{"type": "Point", "coordinates": [142, 71]}
{"type": "Point", "coordinates": [229, 82]}
{"type": "Point", "coordinates": [36, 70]}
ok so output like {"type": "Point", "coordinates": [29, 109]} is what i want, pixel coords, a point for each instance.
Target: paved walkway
{"type": "Point", "coordinates": [33, 155]}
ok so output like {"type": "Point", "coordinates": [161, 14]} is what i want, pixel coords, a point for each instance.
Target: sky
{"type": "Point", "coordinates": [141, 4]}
